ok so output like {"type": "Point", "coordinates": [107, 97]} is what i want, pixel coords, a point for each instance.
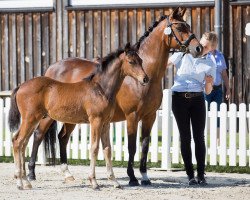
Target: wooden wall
{"type": "Point", "coordinates": [239, 52]}
{"type": "Point", "coordinates": [31, 41]}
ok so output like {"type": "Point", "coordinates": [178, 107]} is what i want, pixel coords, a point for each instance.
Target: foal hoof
{"type": "Point", "coordinates": [146, 182]}
{"type": "Point", "coordinates": [27, 187]}
{"type": "Point", "coordinates": [133, 183]}
{"type": "Point", "coordinates": [19, 187]}
{"type": "Point", "coordinates": [96, 187]}
{"type": "Point", "coordinates": [118, 186]}
{"type": "Point", "coordinates": [69, 179]}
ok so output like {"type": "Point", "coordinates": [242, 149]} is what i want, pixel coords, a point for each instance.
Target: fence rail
{"type": "Point", "coordinates": [233, 147]}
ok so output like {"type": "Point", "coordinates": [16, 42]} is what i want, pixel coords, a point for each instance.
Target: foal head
{"type": "Point", "coordinates": [178, 34]}
{"type": "Point", "coordinates": [132, 64]}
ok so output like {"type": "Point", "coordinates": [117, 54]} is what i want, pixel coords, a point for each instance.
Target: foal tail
{"type": "Point", "coordinates": [50, 142]}
{"type": "Point", "coordinates": [14, 114]}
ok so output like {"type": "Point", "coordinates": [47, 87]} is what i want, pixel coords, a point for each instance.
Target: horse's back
{"type": "Point", "coordinates": [72, 70]}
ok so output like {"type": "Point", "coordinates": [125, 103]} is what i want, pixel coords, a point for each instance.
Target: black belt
{"type": "Point", "coordinates": [216, 87]}
{"type": "Point", "coordinates": [188, 95]}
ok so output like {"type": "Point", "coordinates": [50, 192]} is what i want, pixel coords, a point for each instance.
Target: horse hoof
{"type": "Point", "coordinates": [118, 186]}
{"type": "Point", "coordinates": [19, 187]}
{"type": "Point", "coordinates": [145, 182]}
{"type": "Point", "coordinates": [27, 187]}
{"type": "Point", "coordinates": [31, 177]}
{"type": "Point", "coordinates": [133, 183]}
{"type": "Point", "coordinates": [96, 187]}
{"type": "Point", "coordinates": [69, 179]}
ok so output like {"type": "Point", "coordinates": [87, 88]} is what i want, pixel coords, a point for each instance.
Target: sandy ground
{"type": "Point", "coordinates": [165, 185]}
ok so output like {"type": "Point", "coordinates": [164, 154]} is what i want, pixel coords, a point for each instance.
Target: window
{"type": "Point", "coordinates": [25, 5]}
{"type": "Point", "coordinates": [132, 3]}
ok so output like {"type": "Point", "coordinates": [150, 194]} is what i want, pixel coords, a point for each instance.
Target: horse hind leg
{"type": "Point", "coordinates": [107, 155]}
{"type": "Point", "coordinates": [17, 160]}
{"type": "Point", "coordinates": [26, 183]}
{"type": "Point", "coordinates": [33, 123]}
{"type": "Point", "coordinates": [20, 141]}
{"type": "Point", "coordinates": [63, 138]}
{"type": "Point", "coordinates": [39, 134]}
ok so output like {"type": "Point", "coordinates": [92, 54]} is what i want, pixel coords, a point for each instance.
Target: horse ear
{"type": "Point", "coordinates": [178, 12]}
{"type": "Point", "coordinates": [127, 47]}
{"type": "Point", "coordinates": [182, 11]}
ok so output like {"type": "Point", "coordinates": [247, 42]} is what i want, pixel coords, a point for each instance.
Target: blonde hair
{"type": "Point", "coordinates": [211, 37]}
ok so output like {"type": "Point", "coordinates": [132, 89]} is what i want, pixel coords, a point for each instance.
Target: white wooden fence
{"type": "Point", "coordinates": [233, 147]}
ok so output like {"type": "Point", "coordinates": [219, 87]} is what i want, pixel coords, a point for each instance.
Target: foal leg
{"type": "Point", "coordinates": [17, 159]}
{"type": "Point", "coordinates": [39, 134]}
{"type": "Point", "coordinates": [147, 123]}
{"type": "Point", "coordinates": [20, 141]}
{"type": "Point", "coordinates": [96, 129]}
{"type": "Point", "coordinates": [26, 183]}
{"type": "Point", "coordinates": [132, 124]}
{"type": "Point", "coordinates": [63, 138]}
{"type": "Point", "coordinates": [107, 154]}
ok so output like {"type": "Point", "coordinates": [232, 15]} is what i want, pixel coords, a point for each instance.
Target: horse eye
{"type": "Point", "coordinates": [132, 62]}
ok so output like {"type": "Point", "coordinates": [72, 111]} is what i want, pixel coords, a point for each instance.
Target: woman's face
{"type": "Point", "coordinates": [207, 46]}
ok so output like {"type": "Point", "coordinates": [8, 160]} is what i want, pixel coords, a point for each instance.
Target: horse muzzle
{"type": "Point", "coordinates": [144, 80]}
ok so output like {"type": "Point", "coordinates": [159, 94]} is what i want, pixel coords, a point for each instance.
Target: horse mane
{"type": "Point", "coordinates": [151, 28]}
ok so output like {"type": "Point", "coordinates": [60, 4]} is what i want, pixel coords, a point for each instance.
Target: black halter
{"type": "Point", "coordinates": [183, 46]}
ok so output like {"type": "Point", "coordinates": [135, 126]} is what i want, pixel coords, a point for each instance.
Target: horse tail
{"type": "Point", "coordinates": [50, 141]}
{"type": "Point", "coordinates": [14, 113]}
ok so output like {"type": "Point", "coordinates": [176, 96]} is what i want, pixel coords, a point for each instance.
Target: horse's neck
{"type": "Point", "coordinates": [111, 80]}
{"type": "Point", "coordinates": [153, 52]}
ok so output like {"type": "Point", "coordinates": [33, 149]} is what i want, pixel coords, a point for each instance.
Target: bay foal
{"type": "Point", "coordinates": [90, 101]}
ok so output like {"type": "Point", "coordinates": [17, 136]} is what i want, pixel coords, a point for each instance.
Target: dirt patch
{"type": "Point", "coordinates": [165, 185]}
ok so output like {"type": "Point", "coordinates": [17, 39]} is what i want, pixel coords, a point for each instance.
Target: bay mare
{"type": "Point", "coordinates": [91, 100]}
{"type": "Point", "coordinates": [154, 47]}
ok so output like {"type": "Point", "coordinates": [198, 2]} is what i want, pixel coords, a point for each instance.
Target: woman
{"type": "Point", "coordinates": [193, 76]}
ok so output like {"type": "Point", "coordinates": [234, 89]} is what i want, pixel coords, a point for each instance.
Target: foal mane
{"type": "Point", "coordinates": [110, 57]}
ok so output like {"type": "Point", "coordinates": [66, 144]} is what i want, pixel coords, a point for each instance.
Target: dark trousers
{"type": "Point", "coordinates": [186, 110]}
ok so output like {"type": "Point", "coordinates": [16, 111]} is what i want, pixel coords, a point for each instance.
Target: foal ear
{"type": "Point", "coordinates": [127, 47]}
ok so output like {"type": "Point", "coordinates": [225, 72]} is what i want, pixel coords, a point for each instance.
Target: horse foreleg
{"type": "Point", "coordinates": [96, 129]}
{"type": "Point", "coordinates": [39, 134]}
{"type": "Point", "coordinates": [107, 154]}
{"type": "Point", "coordinates": [132, 125]}
{"type": "Point", "coordinates": [147, 124]}
{"type": "Point", "coordinates": [63, 138]}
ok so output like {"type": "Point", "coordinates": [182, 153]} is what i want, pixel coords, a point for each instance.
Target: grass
{"type": "Point", "coordinates": [209, 168]}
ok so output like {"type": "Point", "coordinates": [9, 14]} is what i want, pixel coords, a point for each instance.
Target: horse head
{"type": "Point", "coordinates": [132, 64]}
{"type": "Point", "coordinates": [178, 35]}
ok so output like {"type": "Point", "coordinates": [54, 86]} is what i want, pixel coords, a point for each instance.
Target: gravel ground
{"type": "Point", "coordinates": [165, 185]}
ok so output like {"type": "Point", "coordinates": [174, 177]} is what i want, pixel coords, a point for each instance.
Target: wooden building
{"type": "Point", "coordinates": [34, 35]}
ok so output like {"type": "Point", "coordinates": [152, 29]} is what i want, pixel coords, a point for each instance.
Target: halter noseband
{"type": "Point", "coordinates": [183, 46]}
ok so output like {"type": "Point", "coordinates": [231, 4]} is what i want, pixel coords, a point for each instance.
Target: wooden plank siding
{"type": "Point", "coordinates": [31, 41]}
{"type": "Point", "coordinates": [239, 52]}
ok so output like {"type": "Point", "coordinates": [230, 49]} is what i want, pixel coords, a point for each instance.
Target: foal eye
{"type": "Point", "coordinates": [132, 62]}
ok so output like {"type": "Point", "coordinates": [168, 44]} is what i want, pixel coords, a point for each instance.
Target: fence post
{"type": "Point", "coordinates": [232, 135]}
{"type": "Point", "coordinates": [242, 135]}
{"type": "Point", "coordinates": [223, 134]}
{"type": "Point", "coordinates": [41, 157]}
{"type": "Point", "coordinates": [2, 130]}
{"type": "Point", "coordinates": [213, 133]}
{"type": "Point", "coordinates": [8, 134]}
{"type": "Point", "coordinates": [166, 129]}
